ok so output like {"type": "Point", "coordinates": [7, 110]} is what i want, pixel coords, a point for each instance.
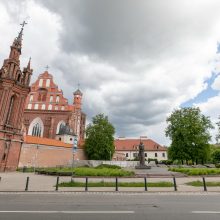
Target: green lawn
{"type": "Point", "coordinates": [200, 183]}
{"type": "Point", "coordinates": [197, 171]}
{"type": "Point", "coordinates": [85, 171]}
{"type": "Point", "coordinates": [112, 184]}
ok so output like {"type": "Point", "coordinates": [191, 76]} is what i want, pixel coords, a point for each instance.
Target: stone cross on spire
{"type": "Point", "coordinates": [24, 23]}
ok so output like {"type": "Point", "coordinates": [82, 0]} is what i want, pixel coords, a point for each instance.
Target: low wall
{"type": "Point", "coordinates": [94, 163]}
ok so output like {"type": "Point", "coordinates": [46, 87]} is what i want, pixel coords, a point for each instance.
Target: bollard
{"type": "Point", "coordinates": [145, 183]}
{"type": "Point", "coordinates": [27, 183]}
{"type": "Point", "coordinates": [174, 183]}
{"type": "Point", "coordinates": [86, 186]}
{"type": "Point", "coordinates": [116, 184]}
{"type": "Point", "coordinates": [57, 183]}
{"type": "Point", "coordinates": [204, 184]}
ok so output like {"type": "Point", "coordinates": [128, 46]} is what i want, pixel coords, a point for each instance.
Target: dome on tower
{"type": "Point", "coordinates": [78, 92]}
{"type": "Point", "coordinates": [66, 130]}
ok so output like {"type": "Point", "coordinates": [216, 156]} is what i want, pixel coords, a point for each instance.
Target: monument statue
{"type": "Point", "coordinates": [141, 156]}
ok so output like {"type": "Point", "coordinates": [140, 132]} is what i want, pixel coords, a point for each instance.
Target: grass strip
{"type": "Point", "coordinates": [85, 171]}
{"type": "Point", "coordinates": [112, 184]}
{"type": "Point", "coordinates": [197, 171]}
{"type": "Point", "coordinates": [200, 183]}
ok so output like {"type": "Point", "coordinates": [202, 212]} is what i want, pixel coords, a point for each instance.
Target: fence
{"type": "Point", "coordinates": [50, 184]}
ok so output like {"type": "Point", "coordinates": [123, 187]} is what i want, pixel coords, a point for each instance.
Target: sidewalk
{"type": "Point", "coordinates": [16, 181]}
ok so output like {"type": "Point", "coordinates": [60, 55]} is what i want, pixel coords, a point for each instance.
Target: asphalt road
{"type": "Point", "coordinates": [81, 206]}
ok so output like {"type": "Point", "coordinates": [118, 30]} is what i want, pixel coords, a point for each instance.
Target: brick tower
{"type": "Point", "coordinates": [14, 88]}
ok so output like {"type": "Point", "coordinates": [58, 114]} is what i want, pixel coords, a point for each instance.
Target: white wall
{"type": "Point", "coordinates": [150, 154]}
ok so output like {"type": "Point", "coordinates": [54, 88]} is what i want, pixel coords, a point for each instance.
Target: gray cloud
{"type": "Point", "coordinates": [135, 60]}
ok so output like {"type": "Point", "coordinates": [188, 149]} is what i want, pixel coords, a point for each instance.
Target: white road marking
{"type": "Point", "coordinates": [72, 212]}
{"type": "Point", "coordinates": [206, 212]}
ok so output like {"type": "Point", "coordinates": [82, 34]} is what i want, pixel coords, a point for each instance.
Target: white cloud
{"type": "Point", "coordinates": [135, 60]}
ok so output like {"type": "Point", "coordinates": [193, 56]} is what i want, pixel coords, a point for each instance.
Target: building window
{"type": "Point", "coordinates": [145, 154]}
{"type": "Point", "coordinates": [59, 126]}
{"type": "Point", "coordinates": [36, 128]}
{"type": "Point", "coordinates": [126, 154]}
{"type": "Point", "coordinates": [57, 99]}
{"type": "Point", "coordinates": [4, 156]}
{"type": "Point", "coordinates": [51, 98]}
{"type": "Point", "coordinates": [43, 106]}
{"type": "Point", "coordinates": [11, 106]}
{"type": "Point", "coordinates": [50, 107]}
{"type": "Point", "coordinates": [41, 82]}
{"type": "Point", "coordinates": [48, 83]}
{"type": "Point", "coordinates": [29, 106]}
{"type": "Point", "coordinates": [134, 154]}
{"type": "Point", "coordinates": [36, 106]}
{"type": "Point", "coordinates": [163, 154]}
{"type": "Point", "coordinates": [31, 98]}
{"type": "Point", "coordinates": [62, 108]}
{"type": "Point", "coordinates": [71, 139]}
{"type": "Point", "coordinates": [56, 107]}
{"type": "Point", "coordinates": [59, 138]}
{"type": "Point", "coordinates": [155, 154]}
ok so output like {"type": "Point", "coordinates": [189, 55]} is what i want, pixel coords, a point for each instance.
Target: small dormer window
{"type": "Point", "coordinates": [31, 98]}
{"type": "Point", "coordinates": [41, 82]}
{"type": "Point", "coordinates": [57, 99]}
{"type": "Point", "coordinates": [48, 83]}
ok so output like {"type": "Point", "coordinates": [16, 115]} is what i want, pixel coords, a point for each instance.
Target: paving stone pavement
{"type": "Point", "coordinates": [16, 181]}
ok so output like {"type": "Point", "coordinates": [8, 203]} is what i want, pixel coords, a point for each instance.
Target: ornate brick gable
{"type": "Point", "coordinates": [14, 88]}
{"type": "Point", "coordinates": [47, 107]}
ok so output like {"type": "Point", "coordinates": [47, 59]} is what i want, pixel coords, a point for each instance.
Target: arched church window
{"type": "Point", "coordinates": [60, 125]}
{"type": "Point", "coordinates": [10, 115]}
{"type": "Point", "coordinates": [36, 128]}
{"type": "Point", "coordinates": [49, 107]}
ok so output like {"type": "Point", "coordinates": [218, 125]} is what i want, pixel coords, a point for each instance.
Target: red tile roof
{"type": "Point", "coordinates": [45, 141]}
{"type": "Point", "coordinates": [132, 145]}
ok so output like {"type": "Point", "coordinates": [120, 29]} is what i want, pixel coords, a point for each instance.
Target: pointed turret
{"type": "Point", "coordinates": [27, 72]}
{"type": "Point", "coordinates": [77, 98]}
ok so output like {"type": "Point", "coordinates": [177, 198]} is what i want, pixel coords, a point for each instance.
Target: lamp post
{"type": "Point", "coordinates": [74, 148]}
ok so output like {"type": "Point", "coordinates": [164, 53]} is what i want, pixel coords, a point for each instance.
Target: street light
{"type": "Point", "coordinates": [74, 148]}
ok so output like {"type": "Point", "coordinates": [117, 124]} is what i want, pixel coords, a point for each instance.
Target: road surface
{"type": "Point", "coordinates": [109, 206]}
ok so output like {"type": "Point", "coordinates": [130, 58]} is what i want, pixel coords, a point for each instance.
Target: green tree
{"type": "Point", "coordinates": [218, 134]}
{"type": "Point", "coordinates": [188, 130]}
{"type": "Point", "coordinates": [99, 142]}
{"type": "Point", "coordinates": [216, 156]}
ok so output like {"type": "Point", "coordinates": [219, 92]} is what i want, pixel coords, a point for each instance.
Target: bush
{"type": "Point", "coordinates": [108, 166]}
{"type": "Point", "coordinates": [151, 159]}
{"type": "Point", "coordinates": [112, 184]}
{"type": "Point", "coordinates": [84, 171]}
{"type": "Point", "coordinates": [197, 171]}
{"type": "Point", "coordinates": [167, 162]}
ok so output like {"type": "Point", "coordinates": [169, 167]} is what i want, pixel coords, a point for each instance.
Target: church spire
{"type": "Point", "coordinates": [17, 44]}
{"type": "Point", "coordinates": [29, 64]}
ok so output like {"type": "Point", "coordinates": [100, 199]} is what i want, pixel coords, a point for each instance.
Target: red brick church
{"type": "Point", "coordinates": [14, 88]}
{"type": "Point", "coordinates": [40, 110]}
{"type": "Point", "coordinates": [47, 111]}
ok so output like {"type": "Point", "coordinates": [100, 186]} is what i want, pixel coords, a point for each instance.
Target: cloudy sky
{"type": "Point", "coordinates": [135, 60]}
